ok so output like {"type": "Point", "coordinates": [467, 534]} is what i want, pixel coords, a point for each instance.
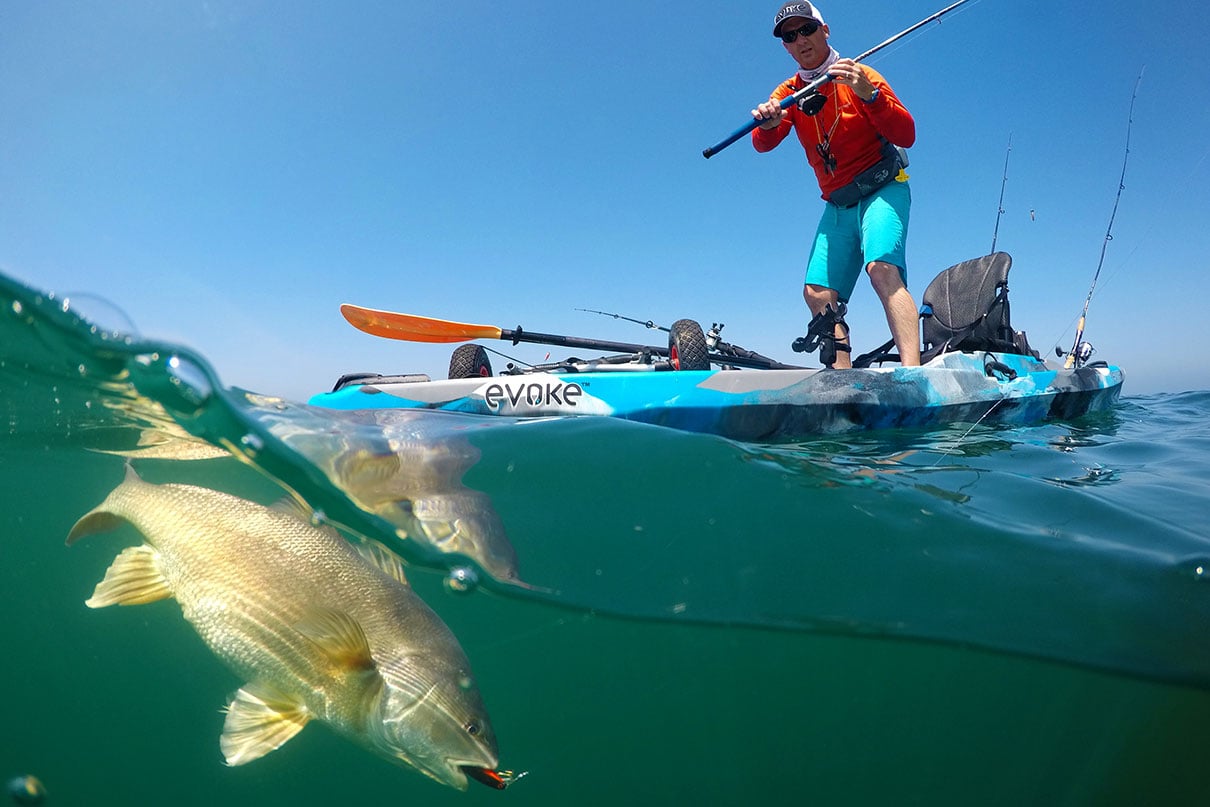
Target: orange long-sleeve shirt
{"type": "Point", "coordinates": [851, 125]}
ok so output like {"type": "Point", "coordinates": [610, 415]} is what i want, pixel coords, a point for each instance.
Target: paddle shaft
{"type": "Point", "coordinates": [793, 98]}
{"type": "Point", "coordinates": [536, 338]}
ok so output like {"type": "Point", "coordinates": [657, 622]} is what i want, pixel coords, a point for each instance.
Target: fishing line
{"type": "Point", "coordinates": [508, 357]}
{"type": "Point", "coordinates": [901, 44]}
{"type": "Point", "coordinates": [649, 324]}
{"type": "Point", "coordinates": [1190, 178]}
{"type": "Point", "coordinates": [529, 633]}
{"type": "Point", "coordinates": [967, 433]}
{"type": "Point", "coordinates": [1077, 356]}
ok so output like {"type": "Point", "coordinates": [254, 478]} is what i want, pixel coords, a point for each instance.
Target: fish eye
{"type": "Point", "coordinates": [472, 729]}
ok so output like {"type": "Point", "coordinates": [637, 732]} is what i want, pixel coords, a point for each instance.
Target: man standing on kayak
{"type": "Point", "coordinates": [849, 130]}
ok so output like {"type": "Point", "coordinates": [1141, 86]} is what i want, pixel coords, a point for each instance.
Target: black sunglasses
{"type": "Point", "coordinates": [810, 27]}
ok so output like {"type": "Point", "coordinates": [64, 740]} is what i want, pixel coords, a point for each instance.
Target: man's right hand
{"type": "Point", "coordinates": [769, 114]}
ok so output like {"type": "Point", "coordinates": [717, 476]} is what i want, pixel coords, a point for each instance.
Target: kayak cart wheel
{"type": "Point", "coordinates": [470, 361]}
{"type": "Point", "coordinates": [687, 348]}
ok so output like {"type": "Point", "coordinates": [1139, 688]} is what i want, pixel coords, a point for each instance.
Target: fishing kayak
{"type": "Point", "coordinates": [767, 404]}
{"type": "Point", "coordinates": [976, 368]}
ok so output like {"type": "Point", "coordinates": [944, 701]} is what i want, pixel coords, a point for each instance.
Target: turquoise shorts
{"type": "Point", "coordinates": [849, 238]}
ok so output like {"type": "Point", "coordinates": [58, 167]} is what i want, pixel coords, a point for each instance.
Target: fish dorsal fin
{"type": "Point", "coordinates": [133, 578]}
{"type": "Point", "coordinates": [288, 505]}
{"type": "Point", "coordinates": [339, 636]}
{"type": "Point", "coordinates": [382, 558]}
{"type": "Point", "coordinates": [259, 720]}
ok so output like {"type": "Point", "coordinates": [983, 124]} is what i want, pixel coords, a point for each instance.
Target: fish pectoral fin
{"type": "Point", "coordinates": [259, 720]}
{"type": "Point", "coordinates": [133, 578]}
{"type": "Point", "coordinates": [339, 636]}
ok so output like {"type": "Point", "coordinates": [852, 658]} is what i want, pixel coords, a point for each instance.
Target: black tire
{"type": "Point", "coordinates": [470, 361]}
{"type": "Point", "coordinates": [687, 346]}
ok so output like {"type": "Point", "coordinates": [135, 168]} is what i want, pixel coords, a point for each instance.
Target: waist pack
{"type": "Point", "coordinates": [893, 160]}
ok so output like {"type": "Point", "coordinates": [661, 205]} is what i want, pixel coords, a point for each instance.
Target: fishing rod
{"type": "Point", "coordinates": [1003, 182]}
{"type": "Point", "coordinates": [645, 323]}
{"type": "Point", "coordinates": [797, 95]}
{"type": "Point", "coordinates": [714, 342]}
{"type": "Point", "coordinates": [1081, 351]}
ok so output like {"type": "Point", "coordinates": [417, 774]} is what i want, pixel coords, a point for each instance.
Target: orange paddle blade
{"type": "Point", "coordinates": [411, 328]}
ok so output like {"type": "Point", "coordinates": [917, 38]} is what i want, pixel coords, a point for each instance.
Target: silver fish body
{"type": "Point", "coordinates": [318, 627]}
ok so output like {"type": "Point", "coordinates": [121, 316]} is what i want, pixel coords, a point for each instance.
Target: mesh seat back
{"type": "Point", "coordinates": [969, 307]}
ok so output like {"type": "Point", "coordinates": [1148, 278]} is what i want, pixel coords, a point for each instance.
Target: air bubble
{"type": "Point", "coordinates": [190, 380]}
{"type": "Point", "coordinates": [462, 580]}
{"type": "Point", "coordinates": [1197, 567]}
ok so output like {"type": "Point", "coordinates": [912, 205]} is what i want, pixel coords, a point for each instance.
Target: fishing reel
{"type": "Point", "coordinates": [821, 334]}
{"type": "Point", "coordinates": [1081, 354]}
{"type": "Point", "coordinates": [812, 103]}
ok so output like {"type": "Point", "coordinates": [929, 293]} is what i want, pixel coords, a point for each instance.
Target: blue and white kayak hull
{"type": "Point", "coordinates": [770, 404]}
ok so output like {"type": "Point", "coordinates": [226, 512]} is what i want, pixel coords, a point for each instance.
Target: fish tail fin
{"type": "Point", "coordinates": [105, 516]}
{"type": "Point", "coordinates": [258, 721]}
{"type": "Point", "coordinates": [133, 578]}
{"type": "Point", "coordinates": [94, 522]}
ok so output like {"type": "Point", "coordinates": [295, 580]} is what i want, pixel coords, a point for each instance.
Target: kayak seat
{"type": "Point", "coordinates": [965, 308]}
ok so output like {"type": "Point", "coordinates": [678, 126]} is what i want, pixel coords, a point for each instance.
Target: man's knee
{"type": "Point", "coordinates": [885, 277]}
{"type": "Point", "coordinates": [818, 296]}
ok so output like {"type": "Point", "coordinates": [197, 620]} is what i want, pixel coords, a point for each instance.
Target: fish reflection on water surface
{"type": "Point", "coordinates": [405, 467]}
{"type": "Point", "coordinates": [319, 628]}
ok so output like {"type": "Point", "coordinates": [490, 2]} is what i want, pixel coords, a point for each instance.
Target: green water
{"type": "Point", "coordinates": [947, 617]}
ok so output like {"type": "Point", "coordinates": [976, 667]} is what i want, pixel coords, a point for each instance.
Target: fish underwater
{"type": "Point", "coordinates": [320, 628]}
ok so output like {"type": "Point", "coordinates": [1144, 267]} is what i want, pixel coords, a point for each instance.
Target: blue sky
{"type": "Point", "coordinates": [227, 173]}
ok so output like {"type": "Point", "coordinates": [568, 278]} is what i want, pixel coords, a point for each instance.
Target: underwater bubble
{"type": "Point", "coordinates": [18, 308]}
{"type": "Point", "coordinates": [1197, 567]}
{"type": "Point", "coordinates": [27, 790]}
{"type": "Point", "coordinates": [462, 580]}
{"type": "Point", "coordinates": [101, 313]}
{"type": "Point", "coordinates": [190, 380]}
{"type": "Point", "coordinates": [252, 442]}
